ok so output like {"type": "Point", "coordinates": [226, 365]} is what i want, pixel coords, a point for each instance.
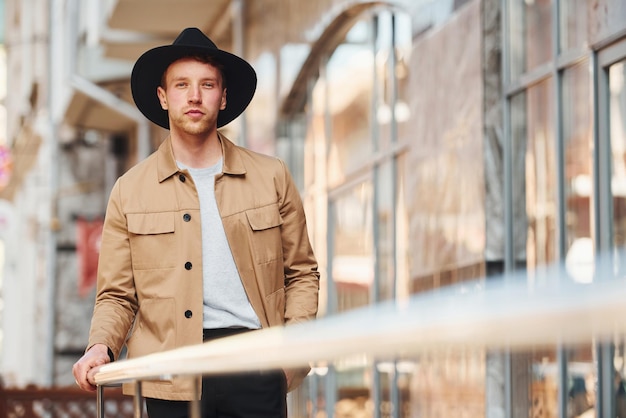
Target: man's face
{"type": "Point", "coordinates": [193, 96]}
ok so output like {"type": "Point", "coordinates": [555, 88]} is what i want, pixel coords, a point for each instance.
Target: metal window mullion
{"type": "Point", "coordinates": [376, 235]}
{"type": "Point", "coordinates": [604, 231]}
{"type": "Point", "coordinates": [377, 100]}
{"type": "Point", "coordinates": [557, 74]}
{"type": "Point", "coordinates": [376, 393]}
{"type": "Point", "coordinates": [508, 181]}
{"type": "Point", "coordinates": [394, 395]}
{"type": "Point", "coordinates": [331, 390]}
{"type": "Point", "coordinates": [507, 146]}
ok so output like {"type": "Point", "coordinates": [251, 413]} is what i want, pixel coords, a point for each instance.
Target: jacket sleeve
{"type": "Point", "coordinates": [116, 300]}
{"type": "Point", "coordinates": [300, 265]}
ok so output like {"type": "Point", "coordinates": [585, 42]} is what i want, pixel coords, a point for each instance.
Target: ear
{"type": "Point", "coordinates": [223, 104]}
{"type": "Point", "coordinates": [162, 97]}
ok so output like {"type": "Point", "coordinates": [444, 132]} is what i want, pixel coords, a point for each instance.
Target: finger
{"type": "Point", "coordinates": [91, 374]}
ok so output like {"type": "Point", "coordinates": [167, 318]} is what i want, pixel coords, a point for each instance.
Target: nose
{"type": "Point", "coordinates": [194, 95]}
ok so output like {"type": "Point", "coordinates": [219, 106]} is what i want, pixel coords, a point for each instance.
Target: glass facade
{"type": "Point", "coordinates": [564, 105]}
{"type": "Point", "coordinates": [617, 132]}
{"type": "Point", "coordinates": [395, 210]}
{"type": "Point", "coordinates": [394, 181]}
{"type": "Point", "coordinates": [362, 124]}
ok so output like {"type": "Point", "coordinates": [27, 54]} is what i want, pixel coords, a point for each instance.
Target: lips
{"type": "Point", "coordinates": [194, 112]}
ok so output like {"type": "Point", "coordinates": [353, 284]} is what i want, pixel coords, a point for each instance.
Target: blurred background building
{"type": "Point", "coordinates": [434, 142]}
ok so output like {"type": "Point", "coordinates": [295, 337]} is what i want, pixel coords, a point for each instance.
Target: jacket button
{"type": "Point", "coordinates": [188, 314]}
{"type": "Point", "coordinates": [186, 217]}
{"type": "Point", "coordinates": [188, 265]}
{"type": "Point", "coordinates": [182, 178]}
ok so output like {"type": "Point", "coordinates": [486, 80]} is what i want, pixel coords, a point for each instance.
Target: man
{"type": "Point", "coordinates": [201, 240]}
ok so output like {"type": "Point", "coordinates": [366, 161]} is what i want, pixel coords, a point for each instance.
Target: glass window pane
{"type": "Point", "coordinates": [582, 382]}
{"type": "Point", "coordinates": [354, 384]}
{"type": "Point", "coordinates": [385, 386]}
{"type": "Point", "coordinates": [578, 172]}
{"type": "Point", "coordinates": [534, 175]}
{"type": "Point", "coordinates": [573, 24]}
{"type": "Point", "coordinates": [403, 47]}
{"type": "Point", "coordinates": [385, 82]}
{"type": "Point", "coordinates": [353, 253]}
{"type": "Point", "coordinates": [530, 27]}
{"type": "Point", "coordinates": [519, 139]}
{"type": "Point", "coordinates": [393, 48]}
{"type": "Point", "coordinates": [385, 239]}
{"type": "Point", "coordinates": [446, 383]}
{"type": "Point", "coordinates": [350, 75]}
{"type": "Point", "coordinates": [534, 384]}
{"type": "Point", "coordinates": [617, 115]}
{"type": "Point", "coordinates": [619, 360]}
{"type": "Point", "coordinates": [315, 169]}
{"type": "Point", "coordinates": [315, 164]}
{"type": "Point", "coordinates": [606, 17]}
{"type": "Point", "coordinates": [403, 252]}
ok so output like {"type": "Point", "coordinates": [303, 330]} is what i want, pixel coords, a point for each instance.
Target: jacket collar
{"type": "Point", "coordinates": [232, 162]}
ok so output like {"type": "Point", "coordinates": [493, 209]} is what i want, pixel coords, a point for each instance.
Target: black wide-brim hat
{"type": "Point", "coordinates": [149, 68]}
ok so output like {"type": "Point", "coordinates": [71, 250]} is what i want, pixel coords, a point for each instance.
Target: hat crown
{"type": "Point", "coordinates": [194, 37]}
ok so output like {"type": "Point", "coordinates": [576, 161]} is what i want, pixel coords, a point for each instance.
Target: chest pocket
{"type": "Point", "coordinates": [152, 240]}
{"type": "Point", "coordinates": [265, 228]}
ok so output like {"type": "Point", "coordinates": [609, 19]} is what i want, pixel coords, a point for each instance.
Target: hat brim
{"type": "Point", "coordinates": [149, 68]}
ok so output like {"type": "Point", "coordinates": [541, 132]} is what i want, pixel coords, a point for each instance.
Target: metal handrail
{"type": "Point", "coordinates": [509, 314]}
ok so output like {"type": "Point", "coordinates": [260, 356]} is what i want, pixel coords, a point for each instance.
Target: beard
{"type": "Point", "coordinates": [200, 126]}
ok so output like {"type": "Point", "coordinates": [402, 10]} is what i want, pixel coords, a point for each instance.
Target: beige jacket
{"type": "Point", "coordinates": [150, 267]}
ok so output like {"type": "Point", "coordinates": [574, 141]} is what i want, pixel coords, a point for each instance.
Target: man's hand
{"type": "Point", "coordinates": [87, 366]}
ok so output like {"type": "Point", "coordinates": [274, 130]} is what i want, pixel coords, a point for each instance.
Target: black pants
{"type": "Point", "coordinates": [258, 394]}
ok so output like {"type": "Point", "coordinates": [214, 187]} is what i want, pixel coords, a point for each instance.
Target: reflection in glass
{"type": "Point", "coordinates": [530, 25]}
{"type": "Point", "coordinates": [579, 234]}
{"type": "Point", "coordinates": [350, 75]}
{"type": "Point", "coordinates": [582, 378]}
{"type": "Point", "coordinates": [385, 236]}
{"type": "Point", "coordinates": [619, 360]}
{"type": "Point", "coordinates": [573, 24]}
{"type": "Point", "coordinates": [543, 388]}
{"type": "Point", "coordinates": [393, 48]}
{"type": "Point", "coordinates": [403, 253]}
{"type": "Point", "coordinates": [315, 169]}
{"type": "Point", "coordinates": [519, 139]}
{"type": "Point", "coordinates": [354, 183]}
{"type": "Point", "coordinates": [578, 172]}
{"type": "Point", "coordinates": [354, 384]}
{"type": "Point", "coordinates": [353, 251]}
{"type": "Point", "coordinates": [386, 376]}
{"type": "Point", "coordinates": [446, 383]}
{"type": "Point", "coordinates": [617, 109]}
{"type": "Point", "coordinates": [541, 176]}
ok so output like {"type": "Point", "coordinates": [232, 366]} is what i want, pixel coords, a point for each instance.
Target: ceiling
{"type": "Point", "coordinates": [135, 26]}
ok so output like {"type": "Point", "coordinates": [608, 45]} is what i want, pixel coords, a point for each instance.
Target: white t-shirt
{"type": "Point", "coordinates": [226, 304]}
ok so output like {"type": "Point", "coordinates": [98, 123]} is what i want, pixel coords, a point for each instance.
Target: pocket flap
{"type": "Point", "coordinates": [264, 218]}
{"type": "Point", "coordinates": [150, 223]}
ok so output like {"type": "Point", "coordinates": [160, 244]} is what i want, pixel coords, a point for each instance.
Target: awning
{"type": "Point", "coordinates": [85, 112]}
{"type": "Point", "coordinates": [138, 25]}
